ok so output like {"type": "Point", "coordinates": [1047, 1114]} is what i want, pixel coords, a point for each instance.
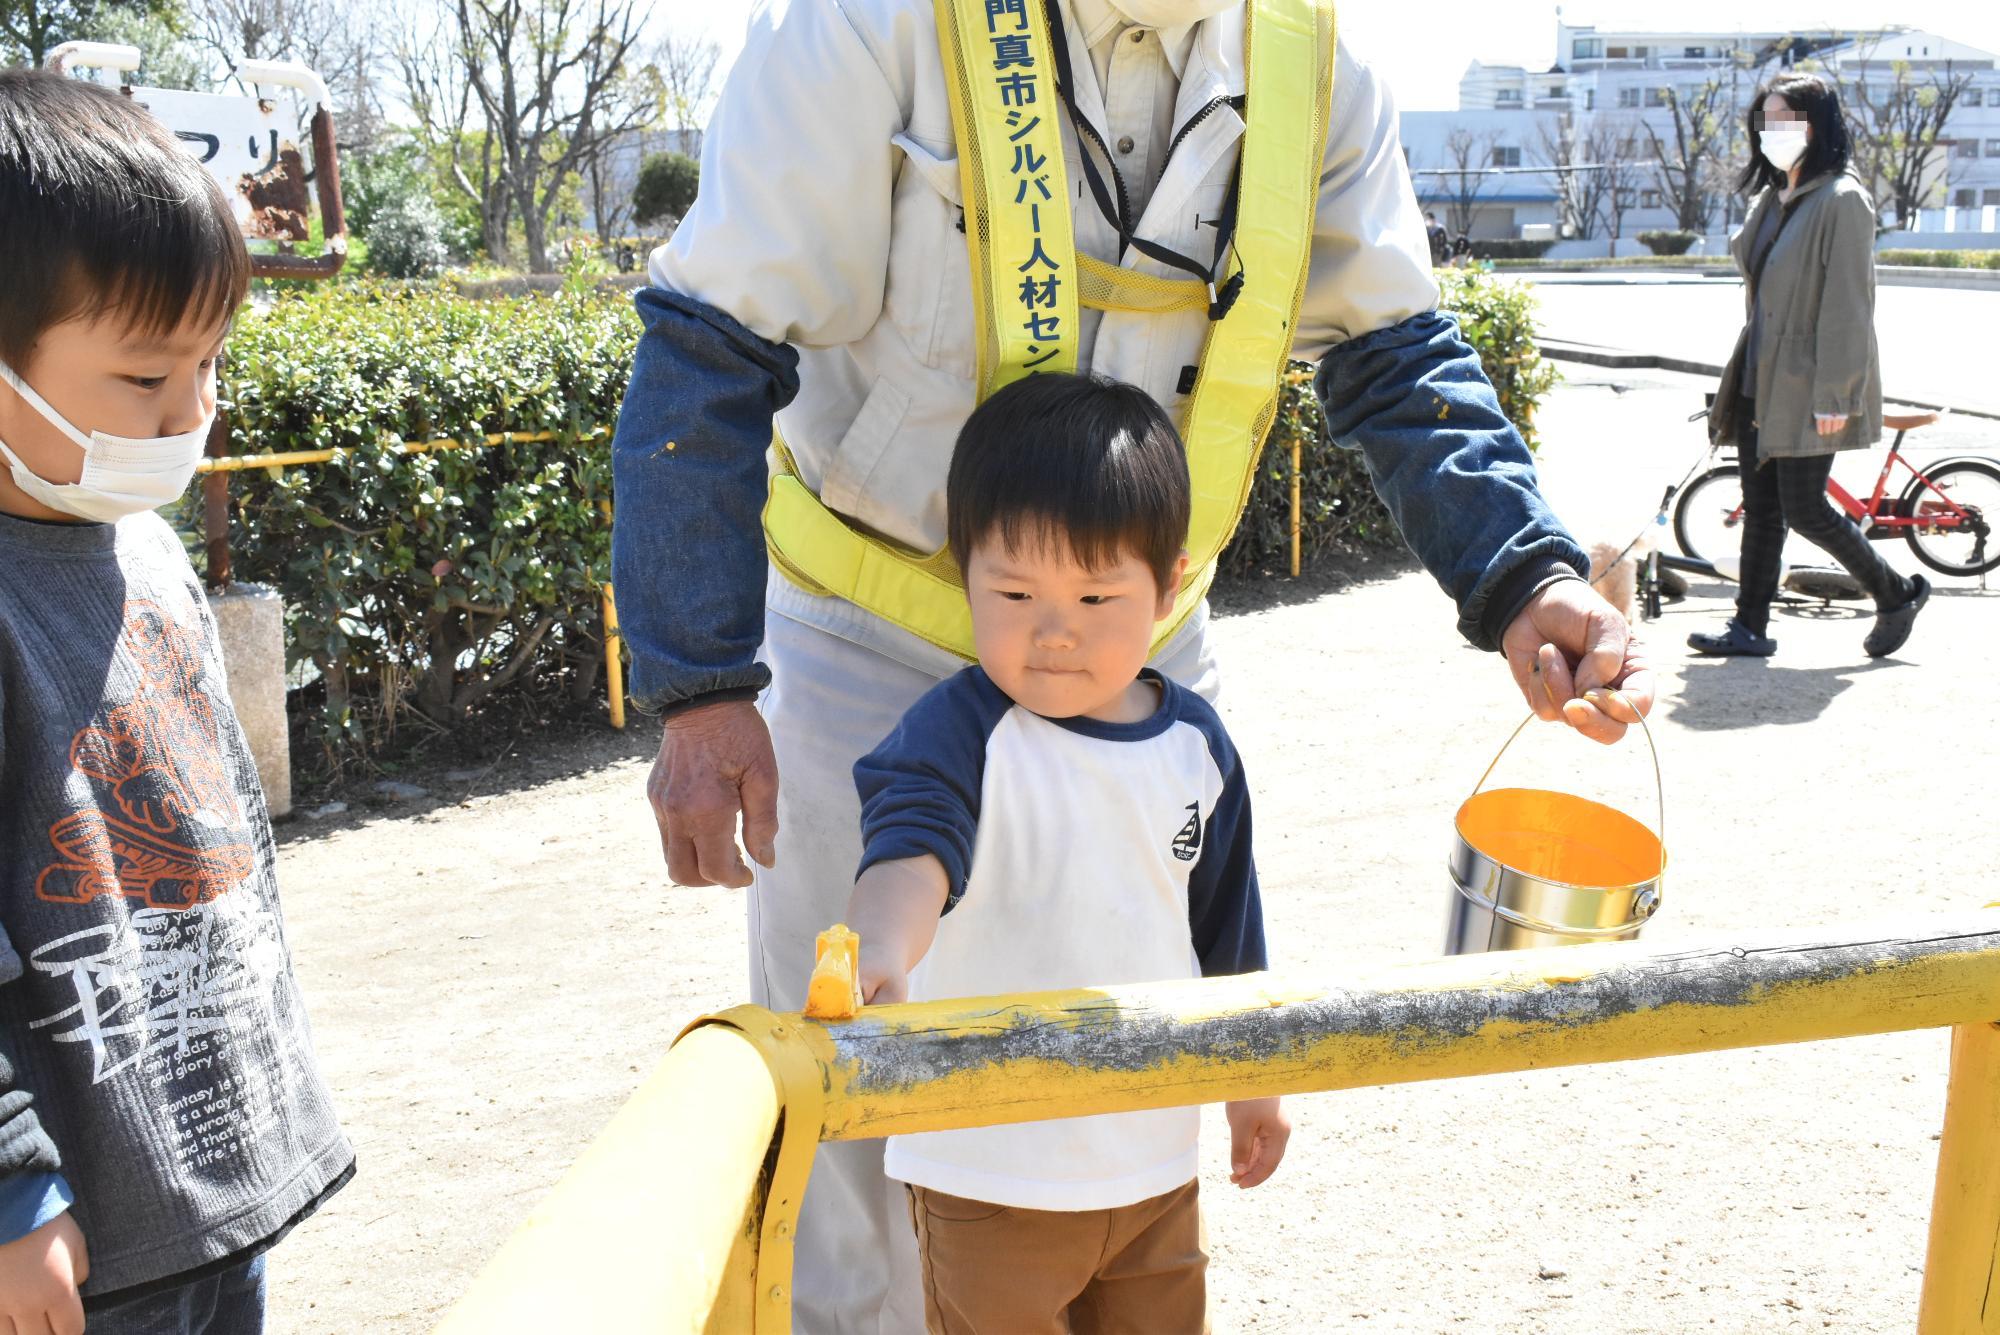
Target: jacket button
{"type": "Point", "coordinates": [1124, 145]}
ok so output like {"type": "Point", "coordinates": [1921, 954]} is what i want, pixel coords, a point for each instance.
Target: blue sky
{"type": "Point", "coordinates": [1424, 68]}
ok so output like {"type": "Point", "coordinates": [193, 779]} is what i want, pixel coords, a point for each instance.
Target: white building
{"type": "Point", "coordinates": [1624, 81]}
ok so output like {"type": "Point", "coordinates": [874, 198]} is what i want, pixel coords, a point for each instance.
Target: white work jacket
{"type": "Point", "coordinates": [829, 218]}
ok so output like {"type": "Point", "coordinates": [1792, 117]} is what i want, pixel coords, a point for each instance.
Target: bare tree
{"type": "Point", "coordinates": [521, 95]}
{"type": "Point", "coordinates": [1577, 183]}
{"type": "Point", "coordinates": [685, 69]}
{"type": "Point", "coordinates": [1614, 150]}
{"type": "Point", "coordinates": [337, 38]}
{"type": "Point", "coordinates": [687, 83]}
{"type": "Point", "coordinates": [1897, 127]}
{"type": "Point", "coordinates": [1467, 177]}
{"type": "Point", "coordinates": [1686, 169]}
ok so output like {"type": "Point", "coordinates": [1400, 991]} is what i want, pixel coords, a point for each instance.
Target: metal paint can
{"type": "Point", "coordinates": [1530, 867]}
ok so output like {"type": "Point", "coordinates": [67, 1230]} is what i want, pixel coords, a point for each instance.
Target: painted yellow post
{"type": "Point", "coordinates": [643, 1232]}
{"type": "Point", "coordinates": [1297, 456]}
{"type": "Point", "coordinates": [1961, 1286]}
{"type": "Point", "coordinates": [614, 660]}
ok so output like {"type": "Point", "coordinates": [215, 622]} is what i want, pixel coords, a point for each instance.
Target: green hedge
{"type": "Point", "coordinates": [428, 590]}
{"type": "Point", "coordinates": [1942, 259]}
{"type": "Point", "coordinates": [422, 588]}
{"type": "Point", "coordinates": [1674, 242]}
{"type": "Point", "coordinates": [1506, 248]}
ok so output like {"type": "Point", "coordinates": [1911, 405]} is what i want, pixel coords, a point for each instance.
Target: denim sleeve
{"type": "Point", "coordinates": [1452, 469]}
{"type": "Point", "coordinates": [688, 461]}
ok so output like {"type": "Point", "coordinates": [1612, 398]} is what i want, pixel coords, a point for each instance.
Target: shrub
{"type": "Point", "coordinates": [1337, 502]}
{"type": "Point", "coordinates": [433, 585]}
{"type": "Point", "coordinates": [666, 188]}
{"type": "Point", "coordinates": [1674, 242]}
{"type": "Point", "coordinates": [1942, 259]}
{"type": "Point", "coordinates": [407, 238]}
{"type": "Point", "coordinates": [427, 589]}
{"type": "Point", "coordinates": [1510, 249]}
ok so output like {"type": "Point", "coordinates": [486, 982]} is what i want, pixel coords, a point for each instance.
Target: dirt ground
{"type": "Point", "coordinates": [492, 969]}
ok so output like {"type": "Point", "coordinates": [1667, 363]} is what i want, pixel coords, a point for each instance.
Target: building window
{"type": "Point", "coordinates": [1649, 199]}
{"type": "Point", "coordinates": [1993, 148]}
{"type": "Point", "coordinates": [1628, 97]}
{"type": "Point", "coordinates": [1973, 97]}
{"type": "Point", "coordinates": [1616, 52]}
{"type": "Point", "coordinates": [1590, 99]}
{"type": "Point", "coordinates": [1507, 97]}
{"type": "Point", "coordinates": [1991, 198]}
{"type": "Point", "coordinates": [1506, 156]}
{"type": "Point", "coordinates": [1659, 97]}
{"type": "Point", "coordinates": [1965, 199]}
{"type": "Point", "coordinates": [1695, 53]}
{"type": "Point", "coordinates": [1965, 148]}
{"type": "Point", "coordinates": [1641, 52]}
{"type": "Point", "coordinates": [1587, 48]}
{"type": "Point", "coordinates": [1626, 198]}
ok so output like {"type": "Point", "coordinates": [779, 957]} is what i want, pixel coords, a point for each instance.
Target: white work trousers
{"type": "Point", "coordinates": [840, 680]}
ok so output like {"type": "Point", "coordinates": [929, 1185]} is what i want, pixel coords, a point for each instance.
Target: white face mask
{"type": "Point", "coordinates": [1782, 148]}
{"type": "Point", "coordinates": [121, 476]}
{"type": "Point", "coordinates": [1170, 13]}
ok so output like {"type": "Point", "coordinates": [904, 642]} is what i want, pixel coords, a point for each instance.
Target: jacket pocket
{"type": "Point", "coordinates": [867, 439]}
{"type": "Point", "coordinates": [1784, 407]}
{"type": "Point", "coordinates": [929, 294]}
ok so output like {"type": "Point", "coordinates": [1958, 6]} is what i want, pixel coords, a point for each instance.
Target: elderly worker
{"type": "Point", "coordinates": [907, 204]}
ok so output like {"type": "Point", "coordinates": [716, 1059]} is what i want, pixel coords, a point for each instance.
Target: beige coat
{"type": "Point", "coordinates": [1816, 352]}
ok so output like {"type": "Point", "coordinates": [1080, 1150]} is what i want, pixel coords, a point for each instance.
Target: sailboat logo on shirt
{"type": "Point", "coordinates": [1188, 842]}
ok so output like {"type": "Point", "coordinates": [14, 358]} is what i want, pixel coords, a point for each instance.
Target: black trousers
{"type": "Point", "coordinates": [1784, 495]}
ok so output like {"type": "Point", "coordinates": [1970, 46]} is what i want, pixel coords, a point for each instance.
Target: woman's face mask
{"type": "Point", "coordinates": [121, 475]}
{"type": "Point", "coordinates": [1782, 145]}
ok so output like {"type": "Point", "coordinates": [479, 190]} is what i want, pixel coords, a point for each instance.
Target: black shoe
{"type": "Point", "coordinates": [1893, 628]}
{"type": "Point", "coordinates": [1736, 641]}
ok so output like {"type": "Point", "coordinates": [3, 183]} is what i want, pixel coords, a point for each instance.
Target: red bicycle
{"type": "Point", "coordinates": [1945, 513]}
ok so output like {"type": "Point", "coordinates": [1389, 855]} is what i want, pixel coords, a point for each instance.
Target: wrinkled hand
{"type": "Point", "coordinates": [39, 1275]}
{"type": "Point", "coordinates": [715, 762]}
{"type": "Point", "coordinates": [1830, 424]}
{"type": "Point", "coordinates": [1258, 1133]}
{"type": "Point", "coordinates": [1568, 642]}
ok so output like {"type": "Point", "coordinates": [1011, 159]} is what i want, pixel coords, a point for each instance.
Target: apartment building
{"type": "Point", "coordinates": [1512, 119]}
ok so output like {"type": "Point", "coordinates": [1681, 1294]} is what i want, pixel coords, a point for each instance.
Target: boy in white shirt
{"type": "Point", "coordinates": [1062, 816]}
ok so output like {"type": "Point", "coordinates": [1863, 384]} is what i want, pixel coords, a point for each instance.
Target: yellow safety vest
{"type": "Point", "coordinates": [1289, 55]}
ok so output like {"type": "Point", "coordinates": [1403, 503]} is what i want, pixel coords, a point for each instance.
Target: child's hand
{"type": "Point", "coordinates": [882, 981]}
{"type": "Point", "coordinates": [38, 1278]}
{"type": "Point", "coordinates": [1258, 1130]}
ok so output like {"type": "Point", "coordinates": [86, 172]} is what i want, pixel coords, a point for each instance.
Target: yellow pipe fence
{"type": "Point", "coordinates": [614, 663]}
{"type": "Point", "coordinates": [680, 1216]}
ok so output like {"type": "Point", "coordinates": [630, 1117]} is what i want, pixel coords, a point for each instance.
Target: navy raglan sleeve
{"type": "Point", "coordinates": [1225, 910]}
{"type": "Point", "coordinates": [920, 788]}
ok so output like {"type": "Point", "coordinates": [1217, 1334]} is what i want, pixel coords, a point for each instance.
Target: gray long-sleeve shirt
{"type": "Point", "coordinates": [148, 1011]}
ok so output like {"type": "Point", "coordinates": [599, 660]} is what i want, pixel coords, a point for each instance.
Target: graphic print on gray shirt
{"type": "Point", "coordinates": [146, 992]}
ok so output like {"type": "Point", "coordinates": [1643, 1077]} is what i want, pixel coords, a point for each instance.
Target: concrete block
{"type": "Point", "coordinates": [251, 619]}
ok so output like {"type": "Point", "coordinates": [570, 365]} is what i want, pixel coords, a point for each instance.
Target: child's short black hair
{"type": "Point", "coordinates": [100, 209]}
{"type": "Point", "coordinates": [1082, 459]}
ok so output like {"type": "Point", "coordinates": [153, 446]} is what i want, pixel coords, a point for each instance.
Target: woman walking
{"type": "Point", "coordinates": [1804, 381]}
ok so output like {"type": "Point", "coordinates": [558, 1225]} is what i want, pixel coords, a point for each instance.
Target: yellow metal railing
{"type": "Point", "coordinates": [614, 662]}
{"type": "Point", "coordinates": [680, 1216]}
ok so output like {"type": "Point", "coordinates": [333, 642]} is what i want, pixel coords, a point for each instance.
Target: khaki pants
{"type": "Point", "coordinates": [999, 1270]}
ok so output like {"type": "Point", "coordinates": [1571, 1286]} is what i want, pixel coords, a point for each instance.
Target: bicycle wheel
{"type": "Point", "coordinates": [1708, 516]}
{"type": "Point", "coordinates": [1964, 547]}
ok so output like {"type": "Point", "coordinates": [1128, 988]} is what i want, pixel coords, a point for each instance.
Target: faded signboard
{"type": "Point", "coordinates": [248, 144]}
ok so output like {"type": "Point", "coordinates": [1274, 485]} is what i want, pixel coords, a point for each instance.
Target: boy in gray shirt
{"type": "Point", "coordinates": [162, 1118]}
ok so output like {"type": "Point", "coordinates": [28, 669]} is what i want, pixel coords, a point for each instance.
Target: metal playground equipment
{"type": "Point", "coordinates": [681, 1215]}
